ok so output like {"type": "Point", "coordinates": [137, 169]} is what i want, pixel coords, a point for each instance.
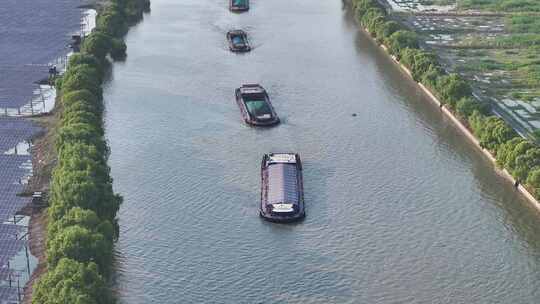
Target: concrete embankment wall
{"type": "Point", "coordinates": [459, 124]}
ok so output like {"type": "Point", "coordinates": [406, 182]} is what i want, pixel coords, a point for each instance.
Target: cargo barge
{"type": "Point", "coordinates": [282, 188]}
{"type": "Point", "coordinates": [255, 105]}
{"type": "Point", "coordinates": [239, 6]}
{"type": "Point", "coordinates": [238, 41]}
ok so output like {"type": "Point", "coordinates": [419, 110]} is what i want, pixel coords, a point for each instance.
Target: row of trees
{"type": "Point", "coordinates": [520, 157]}
{"type": "Point", "coordinates": [82, 210]}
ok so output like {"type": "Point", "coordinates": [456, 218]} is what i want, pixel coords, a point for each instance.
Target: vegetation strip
{"type": "Point", "coordinates": [82, 209]}
{"type": "Point", "coordinates": [518, 156]}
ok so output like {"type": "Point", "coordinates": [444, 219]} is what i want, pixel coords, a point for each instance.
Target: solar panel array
{"type": "Point", "coordinates": [15, 169]}
{"type": "Point", "coordinates": [15, 130]}
{"type": "Point", "coordinates": [34, 33]}
{"type": "Point", "coordinates": [8, 294]}
{"type": "Point", "coordinates": [6, 274]}
{"type": "Point", "coordinates": [282, 184]}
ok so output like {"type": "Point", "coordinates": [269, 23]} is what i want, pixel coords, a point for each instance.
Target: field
{"type": "Point", "coordinates": [492, 43]}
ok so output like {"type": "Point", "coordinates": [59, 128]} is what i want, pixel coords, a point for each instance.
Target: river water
{"type": "Point", "coordinates": [400, 207]}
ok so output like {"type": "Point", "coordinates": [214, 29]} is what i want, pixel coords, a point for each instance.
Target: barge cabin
{"type": "Point", "coordinates": [255, 105]}
{"type": "Point", "coordinates": [282, 190]}
{"type": "Point", "coordinates": [238, 41]}
{"type": "Point", "coordinates": [239, 5]}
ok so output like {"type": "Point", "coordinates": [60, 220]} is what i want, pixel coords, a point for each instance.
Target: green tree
{"type": "Point", "coordinates": [82, 81]}
{"type": "Point", "coordinates": [97, 44]}
{"type": "Point", "coordinates": [82, 96]}
{"type": "Point", "coordinates": [387, 29]}
{"type": "Point", "coordinates": [495, 132]}
{"type": "Point", "coordinates": [80, 117]}
{"type": "Point", "coordinates": [85, 218]}
{"type": "Point", "coordinates": [467, 105]}
{"type": "Point", "coordinates": [80, 106]}
{"type": "Point", "coordinates": [81, 245]}
{"type": "Point", "coordinates": [476, 122]}
{"type": "Point", "coordinates": [402, 39]}
{"type": "Point", "coordinates": [407, 57]}
{"type": "Point", "coordinates": [431, 77]}
{"type": "Point", "coordinates": [89, 70]}
{"type": "Point", "coordinates": [83, 189]}
{"type": "Point", "coordinates": [72, 282]}
{"type": "Point", "coordinates": [510, 150]}
{"type": "Point", "coordinates": [533, 180]}
{"type": "Point", "coordinates": [118, 49]}
{"type": "Point", "coordinates": [361, 6]}
{"type": "Point", "coordinates": [452, 88]}
{"type": "Point", "coordinates": [81, 133]}
{"type": "Point", "coordinates": [524, 162]}
{"type": "Point", "coordinates": [112, 22]}
{"type": "Point", "coordinates": [88, 59]}
{"type": "Point", "coordinates": [423, 62]}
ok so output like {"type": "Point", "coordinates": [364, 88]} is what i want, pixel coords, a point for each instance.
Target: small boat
{"type": "Point", "coordinates": [238, 41]}
{"type": "Point", "coordinates": [282, 189]}
{"type": "Point", "coordinates": [239, 5]}
{"type": "Point", "coordinates": [255, 105]}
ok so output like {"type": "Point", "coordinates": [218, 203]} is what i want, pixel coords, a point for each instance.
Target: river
{"type": "Point", "coordinates": [400, 207]}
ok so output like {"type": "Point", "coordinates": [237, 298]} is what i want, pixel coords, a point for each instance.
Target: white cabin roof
{"type": "Point", "coordinates": [282, 158]}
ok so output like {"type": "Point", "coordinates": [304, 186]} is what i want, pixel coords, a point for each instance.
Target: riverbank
{"type": "Point", "coordinates": [76, 233]}
{"type": "Point", "coordinates": [44, 159]}
{"type": "Point", "coordinates": [457, 121]}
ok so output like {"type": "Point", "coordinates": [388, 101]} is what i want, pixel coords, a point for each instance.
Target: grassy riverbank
{"type": "Point", "coordinates": [81, 217]}
{"type": "Point", "coordinates": [518, 156]}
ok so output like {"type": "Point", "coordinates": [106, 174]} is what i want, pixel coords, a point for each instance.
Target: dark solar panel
{"type": "Point", "coordinates": [18, 84]}
{"type": "Point", "coordinates": [14, 131]}
{"type": "Point", "coordinates": [282, 184]}
{"type": "Point", "coordinates": [34, 33]}
{"type": "Point", "coordinates": [10, 231]}
{"type": "Point", "coordinates": [6, 274]}
{"type": "Point", "coordinates": [9, 249]}
{"type": "Point", "coordinates": [8, 294]}
{"type": "Point", "coordinates": [14, 169]}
